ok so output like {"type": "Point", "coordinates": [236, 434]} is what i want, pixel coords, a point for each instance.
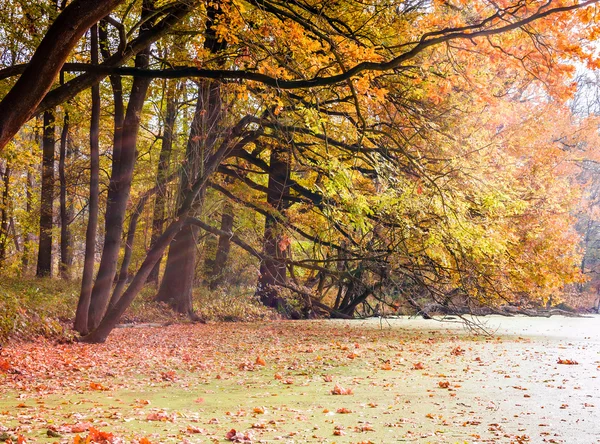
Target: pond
{"type": "Point", "coordinates": [375, 380]}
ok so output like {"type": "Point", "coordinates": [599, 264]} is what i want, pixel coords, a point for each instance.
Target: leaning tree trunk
{"type": "Point", "coordinates": [83, 306]}
{"type": "Point", "coordinates": [66, 256]}
{"type": "Point", "coordinates": [44, 264]}
{"type": "Point", "coordinates": [229, 144]}
{"type": "Point", "coordinates": [20, 103]}
{"type": "Point", "coordinates": [119, 188]}
{"type": "Point", "coordinates": [272, 268]}
{"type": "Point", "coordinates": [158, 217]}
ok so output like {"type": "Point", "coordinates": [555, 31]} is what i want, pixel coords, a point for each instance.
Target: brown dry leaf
{"type": "Point", "coordinates": [193, 429]}
{"type": "Point", "coordinates": [567, 362]}
{"type": "Point", "coordinates": [418, 366]}
{"type": "Point", "coordinates": [457, 351]}
{"type": "Point", "coordinates": [364, 428]}
{"type": "Point", "coordinates": [339, 390]}
{"type": "Point", "coordinates": [339, 431]}
{"type": "Point", "coordinates": [97, 386]}
{"type": "Point", "coordinates": [235, 436]}
{"type": "Point", "coordinates": [80, 427]}
{"type": "Point", "coordinates": [168, 376]}
{"type": "Point", "coordinates": [343, 410]}
{"type": "Point", "coordinates": [444, 384]}
{"type": "Point", "coordinates": [160, 416]}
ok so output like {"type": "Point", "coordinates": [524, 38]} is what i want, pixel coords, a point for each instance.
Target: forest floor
{"type": "Point", "coordinates": [402, 380]}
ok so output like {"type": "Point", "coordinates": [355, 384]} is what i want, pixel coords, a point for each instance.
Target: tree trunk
{"type": "Point", "coordinates": [4, 213]}
{"type": "Point", "coordinates": [81, 317]}
{"type": "Point", "coordinates": [217, 274]}
{"type": "Point", "coordinates": [29, 237]}
{"type": "Point", "coordinates": [44, 264]}
{"type": "Point", "coordinates": [114, 313]}
{"type": "Point", "coordinates": [119, 188]}
{"type": "Point", "coordinates": [66, 257]}
{"type": "Point", "coordinates": [275, 244]}
{"type": "Point", "coordinates": [177, 283]}
{"type": "Point", "coordinates": [124, 272]}
{"type": "Point", "coordinates": [158, 217]}
{"type": "Point", "coordinates": [203, 135]}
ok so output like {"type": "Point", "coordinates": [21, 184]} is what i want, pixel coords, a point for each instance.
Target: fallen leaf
{"type": "Point", "coordinates": [567, 362]}
{"type": "Point", "coordinates": [339, 390]}
{"type": "Point", "coordinates": [97, 386]}
{"type": "Point", "coordinates": [457, 351]}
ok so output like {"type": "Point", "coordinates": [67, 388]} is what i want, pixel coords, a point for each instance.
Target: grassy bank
{"type": "Point", "coordinates": [33, 307]}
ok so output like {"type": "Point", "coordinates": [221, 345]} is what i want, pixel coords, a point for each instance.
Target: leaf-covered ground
{"type": "Point", "coordinates": [320, 381]}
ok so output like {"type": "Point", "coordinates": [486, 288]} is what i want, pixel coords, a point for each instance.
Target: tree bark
{"type": "Point", "coordinates": [4, 213]}
{"type": "Point", "coordinates": [20, 103]}
{"type": "Point", "coordinates": [135, 215]}
{"type": "Point", "coordinates": [66, 256]}
{"type": "Point", "coordinates": [81, 316]}
{"type": "Point", "coordinates": [29, 236]}
{"type": "Point", "coordinates": [273, 271]}
{"type": "Point", "coordinates": [114, 313]}
{"type": "Point", "coordinates": [158, 217]}
{"type": "Point", "coordinates": [171, 16]}
{"type": "Point", "coordinates": [124, 272]}
{"type": "Point", "coordinates": [119, 188]}
{"type": "Point", "coordinates": [178, 279]}
{"type": "Point", "coordinates": [44, 264]}
{"type": "Point", "coordinates": [217, 275]}
{"type": "Point", "coordinates": [175, 288]}
{"type": "Point", "coordinates": [109, 321]}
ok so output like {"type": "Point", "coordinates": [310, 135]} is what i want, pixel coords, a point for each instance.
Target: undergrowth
{"type": "Point", "coordinates": [233, 304]}
{"type": "Point", "coordinates": [32, 307]}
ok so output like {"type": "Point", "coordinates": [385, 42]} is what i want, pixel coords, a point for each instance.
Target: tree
{"type": "Point", "coordinates": [18, 106]}
{"type": "Point", "coordinates": [83, 305]}
{"type": "Point", "coordinates": [351, 131]}
{"type": "Point", "coordinates": [178, 280]}
{"type": "Point", "coordinates": [66, 209]}
{"type": "Point", "coordinates": [44, 264]}
{"type": "Point", "coordinates": [168, 137]}
{"type": "Point", "coordinates": [120, 185]}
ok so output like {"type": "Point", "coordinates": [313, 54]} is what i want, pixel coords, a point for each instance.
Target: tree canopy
{"type": "Point", "coordinates": [356, 156]}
